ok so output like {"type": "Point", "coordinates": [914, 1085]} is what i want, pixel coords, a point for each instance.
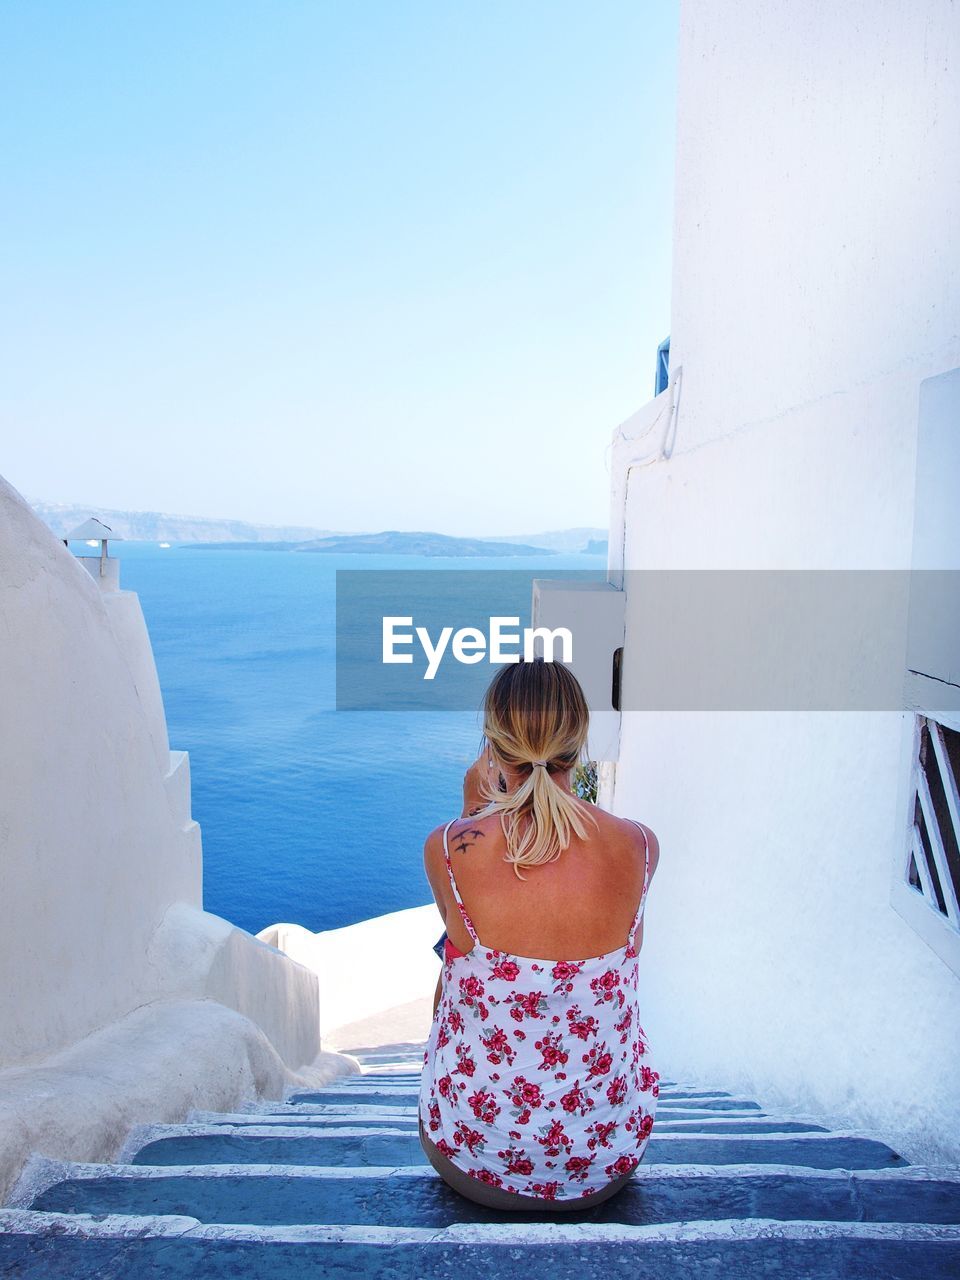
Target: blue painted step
{"type": "Point", "coordinates": [743, 1125]}
{"type": "Point", "coordinates": [320, 1120]}
{"type": "Point", "coordinates": [664, 1125]}
{"type": "Point", "coordinates": [405, 1149]}
{"type": "Point", "coordinates": [279, 1224]}
{"type": "Point", "coordinates": [375, 1079]}
{"type": "Point", "coordinates": [347, 1095]}
{"type": "Point", "coordinates": [178, 1258]}
{"type": "Point", "coordinates": [353, 1097]}
{"type": "Point", "coordinates": [427, 1202]}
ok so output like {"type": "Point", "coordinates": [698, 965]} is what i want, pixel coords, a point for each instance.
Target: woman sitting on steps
{"type": "Point", "coordinates": [537, 1088]}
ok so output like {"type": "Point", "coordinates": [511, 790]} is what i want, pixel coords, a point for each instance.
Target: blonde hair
{"type": "Point", "coordinates": [535, 721]}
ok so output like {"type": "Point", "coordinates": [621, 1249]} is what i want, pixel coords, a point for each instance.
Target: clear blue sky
{"type": "Point", "coordinates": [351, 263]}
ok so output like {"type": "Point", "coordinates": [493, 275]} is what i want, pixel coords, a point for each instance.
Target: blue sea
{"type": "Point", "coordinates": [309, 815]}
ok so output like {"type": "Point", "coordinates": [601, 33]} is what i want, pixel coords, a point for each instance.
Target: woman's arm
{"type": "Point", "coordinates": [482, 769]}
{"type": "Point", "coordinates": [433, 845]}
{"type": "Point", "coordinates": [433, 863]}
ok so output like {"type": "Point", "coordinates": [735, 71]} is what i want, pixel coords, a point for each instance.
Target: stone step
{"type": "Point", "coordinates": [389, 1102]}
{"type": "Point", "coordinates": [381, 1077]}
{"type": "Point", "coordinates": [365, 1146]}
{"type": "Point", "coordinates": [342, 1097]}
{"type": "Point", "coordinates": [387, 1197]}
{"type": "Point", "coordinates": [404, 1118]}
{"type": "Point", "coordinates": [41, 1246]}
{"type": "Point", "coordinates": [410, 1064]}
{"type": "Point", "coordinates": [407, 1117]}
{"type": "Point", "coordinates": [408, 1078]}
{"type": "Point", "coordinates": [412, 1080]}
{"type": "Point", "coordinates": [408, 1106]}
{"type": "Point", "coordinates": [334, 1093]}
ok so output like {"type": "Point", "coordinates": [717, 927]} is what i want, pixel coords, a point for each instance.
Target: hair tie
{"type": "Point", "coordinates": [539, 764]}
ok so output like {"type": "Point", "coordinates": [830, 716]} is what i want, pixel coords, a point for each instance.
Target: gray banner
{"type": "Point", "coordinates": [718, 640]}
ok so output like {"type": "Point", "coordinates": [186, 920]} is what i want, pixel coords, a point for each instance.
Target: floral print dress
{"type": "Point", "coordinates": [536, 1075]}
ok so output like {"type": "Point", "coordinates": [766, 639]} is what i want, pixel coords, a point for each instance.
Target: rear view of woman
{"type": "Point", "coordinates": [538, 1088]}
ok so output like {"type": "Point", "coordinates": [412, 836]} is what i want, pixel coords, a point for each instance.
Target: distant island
{"type": "Point", "coordinates": [392, 542]}
{"type": "Point", "coordinates": [156, 526]}
{"type": "Point", "coordinates": [206, 531]}
{"type": "Point", "coordinates": [568, 541]}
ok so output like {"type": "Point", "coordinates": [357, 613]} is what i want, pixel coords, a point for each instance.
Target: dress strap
{"type": "Point", "coordinates": [646, 880]}
{"type": "Point", "coordinates": [468, 923]}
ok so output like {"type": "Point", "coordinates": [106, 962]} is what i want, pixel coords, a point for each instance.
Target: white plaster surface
{"type": "Point", "coordinates": [121, 998]}
{"type": "Point", "coordinates": [816, 285]}
{"type": "Point", "coordinates": [155, 1065]}
{"type": "Point", "coordinates": [369, 967]}
{"type": "Point", "coordinates": [92, 855]}
{"type": "Point", "coordinates": [816, 228]}
{"type": "Point", "coordinates": [193, 951]}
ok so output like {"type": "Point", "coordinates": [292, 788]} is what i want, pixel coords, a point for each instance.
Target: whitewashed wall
{"type": "Point", "coordinates": [369, 967]}
{"type": "Point", "coordinates": [111, 969]}
{"type": "Point", "coordinates": [816, 284]}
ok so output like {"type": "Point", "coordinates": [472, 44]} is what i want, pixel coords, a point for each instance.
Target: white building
{"type": "Point", "coordinates": [812, 421]}
{"type": "Point", "coordinates": [122, 1000]}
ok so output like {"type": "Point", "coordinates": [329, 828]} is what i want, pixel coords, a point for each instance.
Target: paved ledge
{"type": "Point", "coordinates": [405, 1024]}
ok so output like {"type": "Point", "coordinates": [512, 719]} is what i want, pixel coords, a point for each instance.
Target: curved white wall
{"type": "Point", "coordinates": [101, 916]}
{"type": "Point", "coordinates": [816, 284]}
{"type": "Point", "coordinates": [92, 854]}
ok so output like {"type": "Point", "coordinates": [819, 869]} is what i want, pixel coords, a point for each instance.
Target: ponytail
{"type": "Point", "coordinates": [536, 721]}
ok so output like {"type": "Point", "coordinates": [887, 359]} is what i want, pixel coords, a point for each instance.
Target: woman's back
{"type": "Point", "coordinates": [580, 905]}
{"type": "Point", "coordinates": [537, 1077]}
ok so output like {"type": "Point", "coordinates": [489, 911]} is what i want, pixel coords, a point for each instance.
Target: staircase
{"type": "Point", "coordinates": [334, 1183]}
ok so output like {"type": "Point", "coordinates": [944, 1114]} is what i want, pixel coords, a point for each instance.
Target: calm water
{"type": "Point", "coordinates": [308, 814]}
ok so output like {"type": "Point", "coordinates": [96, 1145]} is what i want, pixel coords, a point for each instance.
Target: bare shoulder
{"type": "Point", "coordinates": [652, 844]}
{"type": "Point", "coordinates": [433, 845]}
{"type": "Point", "coordinates": [472, 832]}
{"type": "Point", "coordinates": [462, 834]}
{"type": "Point", "coordinates": [642, 838]}
{"type": "Point", "coordinates": [433, 863]}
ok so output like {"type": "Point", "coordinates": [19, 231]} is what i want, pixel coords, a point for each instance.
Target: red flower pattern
{"type": "Point", "coordinates": [528, 1004]}
{"type": "Point", "coordinates": [583, 1027]}
{"type": "Point", "coordinates": [552, 1052]}
{"type": "Point", "coordinates": [484, 1106]}
{"type": "Point", "coordinates": [598, 1060]}
{"type": "Point", "coordinates": [554, 1137]}
{"type": "Point", "coordinates": [650, 1080]}
{"type": "Point", "coordinates": [497, 1046]}
{"type": "Point", "coordinates": [578, 1166]}
{"type": "Point", "coordinates": [617, 1091]}
{"type": "Point", "coordinates": [575, 1101]}
{"type": "Point", "coordinates": [602, 1132]}
{"type": "Point", "coordinates": [536, 1131]}
{"type": "Point", "coordinates": [517, 1162]}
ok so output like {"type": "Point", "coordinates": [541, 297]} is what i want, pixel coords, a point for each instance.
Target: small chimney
{"type": "Point", "coordinates": [106, 569]}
